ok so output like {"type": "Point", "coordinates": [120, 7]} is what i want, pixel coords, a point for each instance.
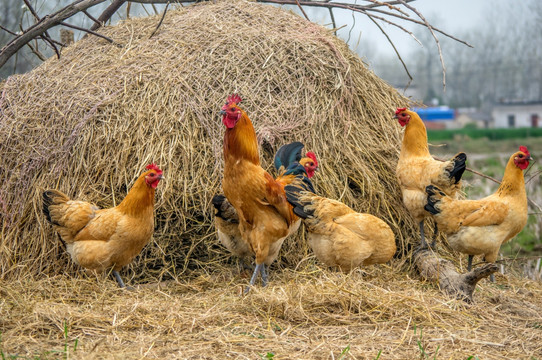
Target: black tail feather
{"type": "Point", "coordinates": [459, 167]}
{"type": "Point", "coordinates": [48, 197]}
{"type": "Point", "coordinates": [224, 209]}
{"type": "Point", "coordinates": [288, 154]}
{"type": "Point", "coordinates": [293, 193]}
{"type": "Point", "coordinates": [431, 202]}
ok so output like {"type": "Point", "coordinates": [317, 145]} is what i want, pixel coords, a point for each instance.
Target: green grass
{"type": "Point", "coordinates": [491, 134]}
{"type": "Point", "coordinates": [422, 345]}
{"type": "Point", "coordinates": [51, 354]}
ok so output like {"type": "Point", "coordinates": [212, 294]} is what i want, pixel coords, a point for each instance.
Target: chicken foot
{"type": "Point", "coordinates": [120, 282]}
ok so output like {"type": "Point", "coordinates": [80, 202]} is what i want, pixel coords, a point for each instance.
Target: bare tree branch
{"type": "Point", "coordinates": [106, 15]}
{"type": "Point", "coordinates": [333, 20]}
{"type": "Point", "coordinates": [8, 31]}
{"type": "Point", "coordinates": [88, 32]}
{"type": "Point", "coordinates": [161, 20]}
{"type": "Point", "coordinates": [394, 10]}
{"type": "Point", "coordinates": [96, 21]}
{"type": "Point", "coordinates": [43, 25]}
{"type": "Point", "coordinates": [36, 52]}
{"type": "Point", "coordinates": [46, 37]}
{"type": "Point", "coordinates": [434, 37]}
{"type": "Point", "coordinates": [303, 11]}
{"type": "Point", "coordinates": [394, 49]}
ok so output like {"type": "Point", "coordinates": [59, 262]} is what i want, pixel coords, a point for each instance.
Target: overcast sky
{"type": "Point", "coordinates": [451, 16]}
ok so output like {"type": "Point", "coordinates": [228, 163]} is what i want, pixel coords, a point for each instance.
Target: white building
{"type": "Point", "coordinates": [517, 114]}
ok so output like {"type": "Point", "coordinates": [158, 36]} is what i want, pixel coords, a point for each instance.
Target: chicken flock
{"type": "Point", "coordinates": [257, 211]}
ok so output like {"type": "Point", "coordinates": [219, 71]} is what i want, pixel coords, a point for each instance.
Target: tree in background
{"type": "Point", "coordinates": [503, 65]}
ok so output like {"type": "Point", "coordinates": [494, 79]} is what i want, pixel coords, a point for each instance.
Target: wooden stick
{"type": "Point", "coordinates": [461, 286]}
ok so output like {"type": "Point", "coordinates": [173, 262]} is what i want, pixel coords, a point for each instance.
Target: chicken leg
{"type": "Point", "coordinates": [260, 268]}
{"type": "Point", "coordinates": [119, 279]}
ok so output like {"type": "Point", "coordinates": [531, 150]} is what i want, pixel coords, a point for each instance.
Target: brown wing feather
{"type": "Point", "coordinates": [102, 227]}
{"type": "Point", "coordinates": [276, 197]}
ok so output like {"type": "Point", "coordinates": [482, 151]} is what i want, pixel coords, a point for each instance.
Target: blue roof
{"type": "Point", "coordinates": [435, 113]}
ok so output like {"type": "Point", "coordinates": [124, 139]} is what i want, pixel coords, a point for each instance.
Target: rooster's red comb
{"type": "Point", "coordinates": [234, 98]}
{"type": "Point", "coordinates": [154, 167]}
{"type": "Point", "coordinates": [399, 110]}
{"type": "Point", "coordinates": [312, 155]}
{"type": "Point", "coordinates": [524, 150]}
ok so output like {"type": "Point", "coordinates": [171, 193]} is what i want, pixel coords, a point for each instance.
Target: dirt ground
{"type": "Point", "coordinates": [308, 313]}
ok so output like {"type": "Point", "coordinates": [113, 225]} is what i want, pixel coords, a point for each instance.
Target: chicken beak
{"type": "Point", "coordinates": [530, 158]}
{"type": "Point", "coordinates": [222, 113]}
{"type": "Point", "coordinates": [160, 177]}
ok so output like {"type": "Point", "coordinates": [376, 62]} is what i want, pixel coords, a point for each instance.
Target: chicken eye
{"type": "Point", "coordinates": [520, 156]}
{"type": "Point", "coordinates": [152, 174]}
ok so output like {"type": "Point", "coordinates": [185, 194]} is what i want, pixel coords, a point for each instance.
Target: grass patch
{"type": "Point", "coordinates": [491, 134]}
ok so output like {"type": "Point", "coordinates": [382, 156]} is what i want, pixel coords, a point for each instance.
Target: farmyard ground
{"type": "Point", "coordinates": [310, 313]}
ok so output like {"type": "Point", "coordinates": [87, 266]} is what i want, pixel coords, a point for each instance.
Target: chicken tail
{"type": "Point", "coordinates": [224, 209]}
{"type": "Point", "coordinates": [288, 154]}
{"type": "Point", "coordinates": [295, 195]}
{"type": "Point", "coordinates": [434, 196]}
{"type": "Point", "coordinates": [460, 165]}
{"type": "Point", "coordinates": [52, 197]}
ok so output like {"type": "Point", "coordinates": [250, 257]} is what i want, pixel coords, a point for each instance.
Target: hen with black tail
{"type": "Point", "coordinates": [480, 227]}
{"type": "Point", "coordinates": [339, 236]}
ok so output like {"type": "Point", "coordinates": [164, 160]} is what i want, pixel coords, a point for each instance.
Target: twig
{"type": "Point", "coordinates": [352, 27]}
{"type": "Point", "coordinates": [89, 32]}
{"type": "Point", "coordinates": [106, 15]}
{"type": "Point", "coordinates": [8, 31]}
{"type": "Point", "coordinates": [394, 49]}
{"type": "Point", "coordinates": [161, 20]}
{"type": "Point", "coordinates": [333, 20]}
{"type": "Point", "coordinates": [36, 52]}
{"type": "Point", "coordinates": [434, 37]}
{"type": "Point", "coordinates": [303, 11]}
{"type": "Point", "coordinates": [536, 173]}
{"type": "Point", "coordinates": [96, 21]}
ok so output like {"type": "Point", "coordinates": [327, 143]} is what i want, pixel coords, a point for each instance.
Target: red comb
{"type": "Point", "coordinates": [312, 155]}
{"type": "Point", "coordinates": [154, 167]}
{"type": "Point", "coordinates": [234, 98]}
{"type": "Point", "coordinates": [524, 150]}
{"type": "Point", "coordinates": [399, 110]}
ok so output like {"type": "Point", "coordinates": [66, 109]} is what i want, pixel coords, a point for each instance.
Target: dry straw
{"type": "Point", "coordinates": [87, 124]}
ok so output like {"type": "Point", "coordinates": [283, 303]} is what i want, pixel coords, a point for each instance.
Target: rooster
{"type": "Point", "coordinates": [417, 169]}
{"type": "Point", "coordinates": [479, 227]}
{"type": "Point", "coordinates": [339, 236]}
{"type": "Point", "coordinates": [226, 218]}
{"type": "Point", "coordinates": [99, 239]}
{"type": "Point", "coordinates": [265, 217]}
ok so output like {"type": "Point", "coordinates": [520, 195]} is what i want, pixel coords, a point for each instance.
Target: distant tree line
{"type": "Point", "coordinates": [505, 63]}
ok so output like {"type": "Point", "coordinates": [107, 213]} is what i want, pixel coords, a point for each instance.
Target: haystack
{"type": "Point", "coordinates": [87, 124]}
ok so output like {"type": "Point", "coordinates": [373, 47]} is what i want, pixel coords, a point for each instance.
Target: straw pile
{"type": "Point", "coordinates": [87, 124]}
